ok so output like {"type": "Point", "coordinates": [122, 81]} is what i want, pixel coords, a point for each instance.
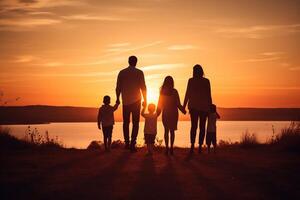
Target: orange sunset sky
{"type": "Point", "coordinates": [60, 52]}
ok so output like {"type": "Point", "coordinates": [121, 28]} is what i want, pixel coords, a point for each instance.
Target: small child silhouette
{"type": "Point", "coordinates": [106, 120]}
{"type": "Point", "coordinates": [211, 135]}
{"type": "Point", "coordinates": [150, 129]}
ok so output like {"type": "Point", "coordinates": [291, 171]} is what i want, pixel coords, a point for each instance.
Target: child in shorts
{"type": "Point", "coordinates": [150, 129]}
{"type": "Point", "coordinates": [211, 135]}
{"type": "Point", "coordinates": [106, 120]}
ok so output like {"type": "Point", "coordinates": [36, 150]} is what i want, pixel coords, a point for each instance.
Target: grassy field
{"type": "Point", "coordinates": [258, 173]}
{"type": "Point", "coordinates": [51, 172]}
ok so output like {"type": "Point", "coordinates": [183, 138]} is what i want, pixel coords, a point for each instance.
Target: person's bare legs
{"type": "Point", "coordinates": [104, 129]}
{"type": "Point", "coordinates": [194, 124]}
{"type": "Point", "coordinates": [172, 132]}
{"type": "Point", "coordinates": [108, 143]}
{"type": "Point", "coordinates": [202, 125]}
{"type": "Point", "coordinates": [126, 121]}
{"type": "Point", "coordinates": [167, 140]}
{"type": "Point", "coordinates": [105, 142]}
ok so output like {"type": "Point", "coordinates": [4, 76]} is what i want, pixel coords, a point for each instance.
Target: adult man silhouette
{"type": "Point", "coordinates": [130, 84]}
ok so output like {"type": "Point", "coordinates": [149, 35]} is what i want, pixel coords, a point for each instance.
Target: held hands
{"type": "Point", "coordinates": [118, 101]}
{"type": "Point", "coordinates": [182, 109]}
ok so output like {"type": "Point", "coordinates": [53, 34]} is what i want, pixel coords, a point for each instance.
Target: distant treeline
{"type": "Point", "coordinates": [47, 114]}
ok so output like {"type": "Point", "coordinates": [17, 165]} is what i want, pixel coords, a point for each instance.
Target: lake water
{"type": "Point", "coordinates": [79, 135]}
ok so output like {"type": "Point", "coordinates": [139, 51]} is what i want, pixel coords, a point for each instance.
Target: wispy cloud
{"type": "Point", "coordinates": [162, 67]}
{"type": "Point", "coordinates": [284, 64]}
{"type": "Point", "coordinates": [53, 64]}
{"type": "Point", "coordinates": [9, 5]}
{"type": "Point", "coordinates": [259, 31]}
{"type": "Point", "coordinates": [83, 74]}
{"type": "Point", "coordinates": [122, 44]}
{"type": "Point", "coordinates": [265, 57]}
{"type": "Point", "coordinates": [247, 88]}
{"type": "Point", "coordinates": [26, 22]}
{"type": "Point", "coordinates": [294, 68]}
{"type": "Point", "coordinates": [100, 80]}
{"type": "Point", "coordinates": [272, 53]}
{"type": "Point", "coordinates": [149, 68]}
{"type": "Point", "coordinates": [112, 57]}
{"type": "Point", "coordinates": [260, 59]}
{"type": "Point", "coordinates": [153, 76]}
{"type": "Point", "coordinates": [25, 58]}
{"type": "Point", "coordinates": [116, 50]}
{"type": "Point", "coordinates": [19, 15]}
{"type": "Point", "coordinates": [182, 47]}
{"type": "Point", "coordinates": [86, 17]}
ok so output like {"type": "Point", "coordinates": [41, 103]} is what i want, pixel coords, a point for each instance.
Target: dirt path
{"type": "Point", "coordinates": [81, 174]}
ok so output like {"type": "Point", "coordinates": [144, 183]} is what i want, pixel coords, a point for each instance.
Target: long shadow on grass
{"type": "Point", "coordinates": [29, 186]}
{"type": "Point", "coordinates": [154, 185]}
{"type": "Point", "coordinates": [257, 179]}
{"type": "Point", "coordinates": [212, 191]}
{"type": "Point", "coordinates": [99, 185]}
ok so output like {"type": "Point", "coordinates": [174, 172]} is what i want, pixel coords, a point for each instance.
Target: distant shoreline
{"type": "Point", "coordinates": [43, 114]}
{"type": "Point", "coordinates": [44, 123]}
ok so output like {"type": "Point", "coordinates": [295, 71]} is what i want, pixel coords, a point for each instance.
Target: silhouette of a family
{"type": "Point", "coordinates": [132, 88]}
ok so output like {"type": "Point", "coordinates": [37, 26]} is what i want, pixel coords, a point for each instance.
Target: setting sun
{"type": "Point", "coordinates": [152, 95]}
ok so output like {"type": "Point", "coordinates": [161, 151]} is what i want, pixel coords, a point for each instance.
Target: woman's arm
{"type": "Point", "coordinates": [187, 95]}
{"type": "Point", "coordinates": [179, 106]}
{"type": "Point", "coordinates": [159, 105]}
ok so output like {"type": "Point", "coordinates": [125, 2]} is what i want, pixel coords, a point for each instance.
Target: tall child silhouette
{"type": "Point", "coordinates": [168, 104]}
{"type": "Point", "coordinates": [130, 84]}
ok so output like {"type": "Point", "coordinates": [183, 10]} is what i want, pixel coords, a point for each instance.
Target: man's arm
{"type": "Point", "coordinates": [143, 112]}
{"type": "Point", "coordinates": [144, 90]}
{"type": "Point", "coordinates": [187, 95]}
{"type": "Point", "coordinates": [99, 119]}
{"type": "Point", "coordinates": [118, 89]}
{"type": "Point", "coordinates": [218, 116]}
{"type": "Point", "coordinates": [209, 93]}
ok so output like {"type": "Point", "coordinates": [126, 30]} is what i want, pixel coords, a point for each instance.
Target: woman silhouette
{"type": "Point", "coordinates": [169, 103]}
{"type": "Point", "coordinates": [198, 98]}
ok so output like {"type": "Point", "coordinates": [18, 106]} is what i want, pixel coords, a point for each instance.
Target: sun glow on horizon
{"type": "Point", "coordinates": [152, 95]}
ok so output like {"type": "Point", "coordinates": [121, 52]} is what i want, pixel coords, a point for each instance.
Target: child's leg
{"type": "Point", "coordinates": [152, 142]}
{"type": "Point", "coordinates": [109, 138]}
{"type": "Point", "coordinates": [214, 141]}
{"type": "Point", "coordinates": [104, 137]}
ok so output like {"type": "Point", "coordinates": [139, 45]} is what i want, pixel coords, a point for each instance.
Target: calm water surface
{"type": "Point", "coordinates": [79, 135]}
